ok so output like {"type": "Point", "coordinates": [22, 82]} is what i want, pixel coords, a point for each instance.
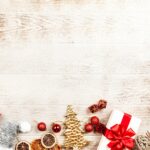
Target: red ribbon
{"type": "Point", "coordinates": [120, 137]}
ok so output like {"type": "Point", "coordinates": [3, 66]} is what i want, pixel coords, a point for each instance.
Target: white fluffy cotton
{"type": "Point", "coordinates": [24, 126]}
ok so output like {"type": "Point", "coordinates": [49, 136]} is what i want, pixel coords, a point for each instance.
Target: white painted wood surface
{"type": "Point", "coordinates": [59, 52]}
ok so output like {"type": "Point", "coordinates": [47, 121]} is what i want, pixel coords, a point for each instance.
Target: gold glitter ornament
{"type": "Point", "coordinates": [74, 138]}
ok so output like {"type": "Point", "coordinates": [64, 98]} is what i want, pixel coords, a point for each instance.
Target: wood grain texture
{"type": "Point", "coordinates": [59, 52]}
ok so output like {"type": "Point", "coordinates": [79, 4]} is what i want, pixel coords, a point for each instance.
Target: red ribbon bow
{"type": "Point", "coordinates": [120, 137]}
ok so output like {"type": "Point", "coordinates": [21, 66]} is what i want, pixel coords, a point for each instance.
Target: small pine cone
{"type": "Point", "coordinates": [102, 104]}
{"type": "Point", "coordinates": [93, 108]}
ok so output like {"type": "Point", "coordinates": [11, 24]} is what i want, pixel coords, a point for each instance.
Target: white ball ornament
{"type": "Point", "coordinates": [24, 127]}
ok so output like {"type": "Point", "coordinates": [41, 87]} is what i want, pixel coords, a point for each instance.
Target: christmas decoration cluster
{"type": "Point", "coordinates": [73, 132]}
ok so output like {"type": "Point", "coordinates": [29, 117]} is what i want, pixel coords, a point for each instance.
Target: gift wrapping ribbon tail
{"type": "Point", "coordinates": [120, 136]}
{"type": "Point", "coordinates": [126, 120]}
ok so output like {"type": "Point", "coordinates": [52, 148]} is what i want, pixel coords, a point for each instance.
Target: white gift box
{"type": "Point", "coordinates": [116, 118]}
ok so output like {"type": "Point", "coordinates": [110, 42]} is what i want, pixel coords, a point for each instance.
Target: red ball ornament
{"type": "Point", "coordinates": [88, 127]}
{"type": "Point", "coordinates": [41, 126]}
{"type": "Point", "coordinates": [101, 128]}
{"type": "Point", "coordinates": [56, 128]}
{"type": "Point", "coordinates": [95, 120]}
{"type": "Point", "coordinates": [97, 128]}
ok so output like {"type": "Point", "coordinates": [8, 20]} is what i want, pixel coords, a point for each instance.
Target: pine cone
{"type": "Point", "coordinates": [94, 108]}
{"type": "Point", "coordinates": [102, 104]}
{"type": "Point", "coordinates": [142, 142]}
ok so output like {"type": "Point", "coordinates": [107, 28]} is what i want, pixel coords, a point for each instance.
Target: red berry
{"type": "Point", "coordinates": [41, 126]}
{"type": "Point", "coordinates": [95, 120]}
{"type": "Point", "coordinates": [101, 128]}
{"type": "Point", "coordinates": [88, 127]}
{"type": "Point", "coordinates": [56, 128]}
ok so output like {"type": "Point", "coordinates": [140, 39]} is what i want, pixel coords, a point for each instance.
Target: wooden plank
{"type": "Point", "coordinates": [46, 89]}
{"type": "Point", "coordinates": [54, 53]}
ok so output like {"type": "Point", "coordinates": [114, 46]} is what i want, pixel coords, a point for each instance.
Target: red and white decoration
{"type": "Point", "coordinates": [121, 129]}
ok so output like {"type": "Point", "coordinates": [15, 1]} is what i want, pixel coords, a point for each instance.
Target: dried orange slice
{"type": "Point", "coordinates": [23, 145]}
{"type": "Point", "coordinates": [36, 145]}
{"type": "Point", "coordinates": [48, 140]}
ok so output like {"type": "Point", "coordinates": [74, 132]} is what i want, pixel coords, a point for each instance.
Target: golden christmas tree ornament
{"type": "Point", "coordinates": [75, 148]}
{"type": "Point", "coordinates": [74, 138]}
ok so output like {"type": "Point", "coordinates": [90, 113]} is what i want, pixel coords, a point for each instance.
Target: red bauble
{"type": "Point", "coordinates": [95, 120]}
{"type": "Point", "coordinates": [97, 128]}
{"type": "Point", "coordinates": [88, 127]}
{"type": "Point", "coordinates": [41, 126]}
{"type": "Point", "coordinates": [101, 128]}
{"type": "Point", "coordinates": [56, 128]}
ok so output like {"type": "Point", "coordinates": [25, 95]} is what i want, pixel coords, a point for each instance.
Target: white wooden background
{"type": "Point", "coordinates": [59, 52]}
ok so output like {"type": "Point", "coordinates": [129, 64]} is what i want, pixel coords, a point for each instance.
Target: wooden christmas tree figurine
{"type": "Point", "coordinates": [73, 134]}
